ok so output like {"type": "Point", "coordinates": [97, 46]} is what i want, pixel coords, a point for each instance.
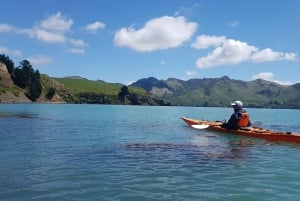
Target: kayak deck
{"type": "Point", "coordinates": [247, 131]}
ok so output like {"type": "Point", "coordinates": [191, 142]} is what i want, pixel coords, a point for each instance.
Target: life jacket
{"type": "Point", "coordinates": [244, 120]}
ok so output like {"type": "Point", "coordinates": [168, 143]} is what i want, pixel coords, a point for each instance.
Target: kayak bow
{"type": "Point", "coordinates": [256, 132]}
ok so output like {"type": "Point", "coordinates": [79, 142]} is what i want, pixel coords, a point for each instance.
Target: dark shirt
{"type": "Point", "coordinates": [234, 118]}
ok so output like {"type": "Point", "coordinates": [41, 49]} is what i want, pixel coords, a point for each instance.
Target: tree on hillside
{"type": "Point", "coordinates": [23, 74]}
{"type": "Point", "coordinates": [35, 87]}
{"type": "Point", "coordinates": [25, 77]}
{"type": "Point", "coordinates": [8, 62]}
{"type": "Point", "coordinates": [51, 92]}
{"type": "Point", "coordinates": [123, 93]}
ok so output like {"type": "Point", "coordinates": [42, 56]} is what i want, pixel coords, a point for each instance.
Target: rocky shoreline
{"type": "Point", "coordinates": [9, 97]}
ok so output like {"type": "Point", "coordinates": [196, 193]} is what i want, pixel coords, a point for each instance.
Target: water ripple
{"type": "Point", "coordinates": [137, 153]}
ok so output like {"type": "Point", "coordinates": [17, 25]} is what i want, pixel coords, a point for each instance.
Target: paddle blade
{"type": "Point", "coordinates": [200, 126]}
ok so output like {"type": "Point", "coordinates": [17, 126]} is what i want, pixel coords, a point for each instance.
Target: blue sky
{"type": "Point", "coordinates": [126, 40]}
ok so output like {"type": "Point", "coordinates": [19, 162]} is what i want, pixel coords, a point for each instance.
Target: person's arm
{"type": "Point", "coordinates": [232, 123]}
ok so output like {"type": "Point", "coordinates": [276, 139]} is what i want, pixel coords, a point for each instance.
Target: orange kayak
{"type": "Point", "coordinates": [256, 132]}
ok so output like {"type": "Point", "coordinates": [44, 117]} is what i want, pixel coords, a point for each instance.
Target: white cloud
{"type": "Point", "coordinates": [190, 73]}
{"type": "Point", "coordinates": [54, 30]}
{"type": "Point", "coordinates": [94, 27]}
{"type": "Point", "coordinates": [49, 37]}
{"type": "Point", "coordinates": [39, 60]}
{"type": "Point", "coordinates": [76, 50]}
{"type": "Point", "coordinates": [130, 82]}
{"type": "Point", "coordinates": [57, 23]}
{"type": "Point", "coordinates": [6, 28]}
{"type": "Point", "coordinates": [270, 55]}
{"type": "Point", "coordinates": [264, 76]}
{"type": "Point", "coordinates": [157, 34]}
{"type": "Point", "coordinates": [234, 24]}
{"type": "Point", "coordinates": [28, 32]}
{"type": "Point", "coordinates": [51, 30]}
{"type": "Point", "coordinates": [205, 41]}
{"type": "Point", "coordinates": [4, 50]}
{"type": "Point", "coordinates": [290, 56]}
{"type": "Point", "coordinates": [230, 52]}
{"type": "Point", "coordinates": [78, 43]}
{"type": "Point", "coordinates": [269, 76]}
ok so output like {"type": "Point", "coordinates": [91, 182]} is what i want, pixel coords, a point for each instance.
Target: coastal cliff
{"type": "Point", "coordinates": [10, 93]}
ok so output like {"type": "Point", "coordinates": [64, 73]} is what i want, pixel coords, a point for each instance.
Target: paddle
{"type": "Point", "coordinates": [200, 126]}
{"type": "Point", "coordinates": [204, 126]}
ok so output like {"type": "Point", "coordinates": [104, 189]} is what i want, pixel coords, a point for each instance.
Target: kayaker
{"type": "Point", "coordinates": [240, 118]}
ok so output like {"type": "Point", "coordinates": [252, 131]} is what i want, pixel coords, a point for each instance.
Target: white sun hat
{"type": "Point", "coordinates": [237, 103]}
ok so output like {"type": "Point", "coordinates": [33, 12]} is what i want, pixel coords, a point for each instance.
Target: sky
{"type": "Point", "coordinates": [122, 41]}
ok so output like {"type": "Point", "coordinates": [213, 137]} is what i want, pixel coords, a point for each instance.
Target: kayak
{"type": "Point", "coordinates": [255, 132]}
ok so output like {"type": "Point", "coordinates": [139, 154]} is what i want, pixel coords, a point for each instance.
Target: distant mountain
{"type": "Point", "coordinates": [75, 77]}
{"type": "Point", "coordinates": [206, 92]}
{"type": "Point", "coordinates": [219, 92]}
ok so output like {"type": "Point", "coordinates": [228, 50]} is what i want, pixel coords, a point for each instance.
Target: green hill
{"type": "Point", "coordinates": [77, 85]}
{"type": "Point", "coordinates": [81, 90]}
{"type": "Point", "coordinates": [219, 92]}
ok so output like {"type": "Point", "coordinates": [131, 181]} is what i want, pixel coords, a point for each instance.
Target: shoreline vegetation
{"type": "Point", "coordinates": [23, 84]}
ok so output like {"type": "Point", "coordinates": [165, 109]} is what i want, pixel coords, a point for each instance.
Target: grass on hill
{"type": "Point", "coordinates": [97, 87]}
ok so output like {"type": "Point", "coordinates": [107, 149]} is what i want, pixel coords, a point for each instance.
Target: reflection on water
{"type": "Point", "coordinates": [286, 128]}
{"type": "Point", "coordinates": [201, 146]}
{"type": "Point", "coordinates": [16, 115]}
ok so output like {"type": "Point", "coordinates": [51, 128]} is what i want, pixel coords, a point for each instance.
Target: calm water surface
{"type": "Point", "coordinates": [101, 152]}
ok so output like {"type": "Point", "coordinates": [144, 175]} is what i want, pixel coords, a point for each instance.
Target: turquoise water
{"type": "Point", "coordinates": [102, 152]}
